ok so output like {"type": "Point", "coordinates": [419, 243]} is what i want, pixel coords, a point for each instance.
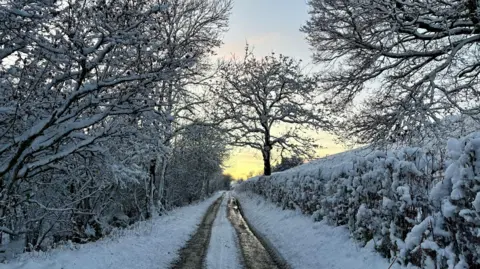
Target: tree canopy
{"type": "Point", "coordinates": [258, 97]}
{"type": "Point", "coordinates": [92, 93]}
{"type": "Point", "coordinates": [407, 63]}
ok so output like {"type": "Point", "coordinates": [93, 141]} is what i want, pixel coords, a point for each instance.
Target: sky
{"type": "Point", "coordinates": [268, 26]}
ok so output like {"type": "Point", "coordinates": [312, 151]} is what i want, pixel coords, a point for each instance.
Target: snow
{"type": "Point", "coordinates": [21, 13]}
{"type": "Point", "coordinates": [7, 110]}
{"type": "Point", "coordinates": [454, 148]}
{"type": "Point", "coordinates": [405, 194]}
{"type": "Point", "coordinates": [362, 212]}
{"type": "Point", "coordinates": [476, 202]}
{"type": "Point", "coordinates": [223, 251]}
{"type": "Point", "coordinates": [306, 244]}
{"type": "Point", "coordinates": [146, 245]}
{"type": "Point", "coordinates": [414, 237]}
{"type": "Point", "coordinates": [387, 203]}
{"type": "Point", "coordinates": [448, 209]}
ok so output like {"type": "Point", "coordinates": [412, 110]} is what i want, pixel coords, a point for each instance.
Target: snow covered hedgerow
{"type": "Point", "coordinates": [383, 197]}
{"type": "Point", "coordinates": [454, 233]}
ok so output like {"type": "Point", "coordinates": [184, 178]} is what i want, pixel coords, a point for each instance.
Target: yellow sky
{"type": "Point", "coordinates": [246, 162]}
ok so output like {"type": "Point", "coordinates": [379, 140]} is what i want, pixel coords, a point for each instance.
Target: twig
{"type": "Point", "coordinates": [392, 262]}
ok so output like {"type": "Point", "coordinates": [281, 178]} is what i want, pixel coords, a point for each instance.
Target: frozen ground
{"type": "Point", "coordinates": [147, 245]}
{"type": "Point", "coordinates": [223, 252]}
{"type": "Point", "coordinates": [306, 244]}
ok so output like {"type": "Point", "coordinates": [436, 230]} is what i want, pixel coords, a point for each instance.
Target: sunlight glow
{"type": "Point", "coordinates": [244, 163]}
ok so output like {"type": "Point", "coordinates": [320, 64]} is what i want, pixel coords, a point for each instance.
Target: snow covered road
{"type": "Point", "coordinates": [221, 240]}
{"type": "Point", "coordinates": [192, 255]}
{"type": "Point", "coordinates": [230, 241]}
{"type": "Point", "coordinates": [223, 252]}
{"type": "Point", "coordinates": [256, 253]}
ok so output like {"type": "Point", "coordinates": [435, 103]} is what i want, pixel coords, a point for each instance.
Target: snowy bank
{"type": "Point", "coordinates": [306, 244]}
{"type": "Point", "coordinates": [145, 245]}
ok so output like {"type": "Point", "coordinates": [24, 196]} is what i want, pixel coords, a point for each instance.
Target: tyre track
{"type": "Point", "coordinates": [258, 252]}
{"type": "Point", "coordinates": [193, 254]}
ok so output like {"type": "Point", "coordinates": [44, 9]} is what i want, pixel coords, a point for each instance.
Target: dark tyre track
{"type": "Point", "coordinates": [193, 254]}
{"type": "Point", "coordinates": [258, 252]}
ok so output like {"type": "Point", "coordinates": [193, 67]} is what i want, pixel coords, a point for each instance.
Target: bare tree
{"type": "Point", "coordinates": [257, 98]}
{"type": "Point", "coordinates": [423, 55]}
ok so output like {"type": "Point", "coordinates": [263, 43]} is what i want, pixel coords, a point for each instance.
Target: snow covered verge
{"type": "Point", "coordinates": [306, 244]}
{"type": "Point", "coordinates": [412, 205]}
{"type": "Point", "coordinates": [145, 245]}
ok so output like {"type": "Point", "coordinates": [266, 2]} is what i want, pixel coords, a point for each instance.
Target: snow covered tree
{"type": "Point", "coordinates": [196, 164]}
{"type": "Point", "coordinates": [86, 96]}
{"type": "Point", "coordinates": [409, 63]}
{"type": "Point", "coordinates": [257, 97]}
{"type": "Point", "coordinates": [74, 72]}
{"type": "Point", "coordinates": [190, 29]}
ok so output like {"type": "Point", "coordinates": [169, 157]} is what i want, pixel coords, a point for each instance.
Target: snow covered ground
{"type": "Point", "coordinates": [306, 244]}
{"type": "Point", "coordinates": [147, 245]}
{"type": "Point", "coordinates": [223, 252]}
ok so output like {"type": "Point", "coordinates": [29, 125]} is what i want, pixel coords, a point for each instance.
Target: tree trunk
{"type": "Point", "coordinates": [160, 184]}
{"type": "Point", "coordinates": [208, 187]}
{"type": "Point", "coordinates": [151, 190]}
{"type": "Point", "coordinates": [160, 196]}
{"type": "Point", "coordinates": [267, 168]}
{"type": "Point", "coordinates": [267, 148]}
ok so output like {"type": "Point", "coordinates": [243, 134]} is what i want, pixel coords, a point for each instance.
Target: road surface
{"type": "Point", "coordinates": [225, 240]}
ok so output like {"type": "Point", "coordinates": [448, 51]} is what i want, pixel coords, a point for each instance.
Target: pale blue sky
{"type": "Point", "coordinates": [267, 25]}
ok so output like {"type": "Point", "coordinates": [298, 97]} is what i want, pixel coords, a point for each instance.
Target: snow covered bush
{"type": "Point", "coordinates": [400, 201]}
{"type": "Point", "coordinates": [453, 235]}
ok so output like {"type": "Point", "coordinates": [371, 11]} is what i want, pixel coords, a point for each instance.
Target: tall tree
{"type": "Point", "coordinates": [190, 29]}
{"type": "Point", "coordinates": [255, 97]}
{"type": "Point", "coordinates": [70, 72]}
{"type": "Point", "coordinates": [410, 63]}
